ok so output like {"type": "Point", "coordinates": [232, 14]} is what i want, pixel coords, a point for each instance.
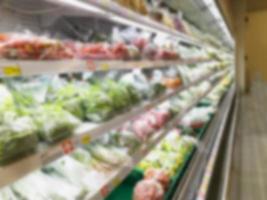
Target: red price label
{"type": "Point", "coordinates": [104, 191]}
{"type": "Point", "coordinates": [67, 146]}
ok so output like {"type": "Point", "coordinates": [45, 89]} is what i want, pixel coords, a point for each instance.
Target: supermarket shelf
{"type": "Point", "coordinates": [229, 153]}
{"type": "Point", "coordinates": [112, 11]}
{"type": "Point", "coordinates": [125, 170]}
{"type": "Point", "coordinates": [196, 180]}
{"type": "Point", "coordinates": [9, 68]}
{"type": "Point", "coordinates": [83, 135]}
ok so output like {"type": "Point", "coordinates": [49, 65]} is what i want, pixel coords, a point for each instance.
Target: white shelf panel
{"type": "Point", "coordinates": [125, 170]}
{"type": "Point", "coordinates": [9, 68]}
{"type": "Point", "coordinates": [83, 135]}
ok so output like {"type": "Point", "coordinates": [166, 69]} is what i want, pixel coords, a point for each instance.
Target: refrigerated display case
{"type": "Point", "coordinates": [108, 100]}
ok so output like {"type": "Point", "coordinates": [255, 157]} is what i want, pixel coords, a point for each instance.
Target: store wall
{"type": "Point", "coordinates": [256, 44]}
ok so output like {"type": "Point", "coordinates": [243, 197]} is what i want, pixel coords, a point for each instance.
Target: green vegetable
{"type": "Point", "coordinates": [17, 137]}
{"type": "Point", "coordinates": [6, 102]}
{"type": "Point", "coordinates": [121, 98]}
{"type": "Point", "coordinates": [98, 105]}
{"type": "Point", "coordinates": [71, 99]}
{"type": "Point", "coordinates": [54, 123]}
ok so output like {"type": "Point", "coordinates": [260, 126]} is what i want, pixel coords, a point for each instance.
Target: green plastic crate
{"type": "Point", "coordinates": [125, 190]}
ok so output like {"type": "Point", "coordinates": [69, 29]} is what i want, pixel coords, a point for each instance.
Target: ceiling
{"type": "Point", "coordinates": [254, 5]}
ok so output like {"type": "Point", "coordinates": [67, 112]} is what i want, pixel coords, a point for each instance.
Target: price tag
{"type": "Point", "coordinates": [104, 66]}
{"type": "Point", "coordinates": [104, 191]}
{"type": "Point", "coordinates": [86, 139]}
{"type": "Point", "coordinates": [67, 146]}
{"type": "Point", "coordinates": [12, 70]}
{"type": "Point", "coordinates": [116, 182]}
{"type": "Point", "coordinates": [91, 65]}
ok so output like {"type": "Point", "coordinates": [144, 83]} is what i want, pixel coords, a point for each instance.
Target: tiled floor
{"type": "Point", "coordinates": [249, 171]}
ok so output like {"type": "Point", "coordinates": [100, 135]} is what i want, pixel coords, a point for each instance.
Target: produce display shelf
{"type": "Point", "coordinates": [126, 169]}
{"type": "Point", "coordinates": [136, 175]}
{"type": "Point", "coordinates": [114, 12]}
{"type": "Point", "coordinates": [205, 183]}
{"type": "Point", "coordinates": [84, 135]}
{"type": "Point", "coordinates": [11, 68]}
{"type": "Point", "coordinates": [195, 182]}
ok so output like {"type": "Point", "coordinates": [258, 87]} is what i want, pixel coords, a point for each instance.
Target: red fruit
{"type": "Point", "coordinates": [120, 51]}
{"type": "Point", "coordinates": [140, 43]}
{"type": "Point", "coordinates": [159, 175]}
{"type": "Point", "coordinates": [148, 190]}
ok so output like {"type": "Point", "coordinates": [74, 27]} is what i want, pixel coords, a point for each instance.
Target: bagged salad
{"type": "Point", "coordinates": [71, 99]}
{"type": "Point", "coordinates": [17, 136]}
{"type": "Point", "coordinates": [98, 104]}
{"type": "Point", "coordinates": [120, 95]}
{"type": "Point", "coordinates": [54, 123]}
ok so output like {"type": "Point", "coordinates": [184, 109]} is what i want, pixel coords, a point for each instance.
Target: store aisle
{"type": "Point", "coordinates": [249, 171]}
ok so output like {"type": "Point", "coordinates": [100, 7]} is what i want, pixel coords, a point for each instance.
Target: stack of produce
{"type": "Point", "coordinates": [161, 166]}
{"type": "Point", "coordinates": [197, 117]}
{"type": "Point", "coordinates": [144, 88]}
{"type": "Point", "coordinates": [173, 149]}
{"type": "Point", "coordinates": [40, 186]}
{"type": "Point", "coordinates": [31, 47]}
{"type": "Point", "coordinates": [54, 123]}
{"type": "Point", "coordinates": [217, 92]}
{"type": "Point", "coordinates": [147, 124]}
{"type": "Point", "coordinates": [192, 73]}
{"type": "Point", "coordinates": [51, 109]}
{"type": "Point", "coordinates": [18, 134]}
{"type": "Point", "coordinates": [71, 173]}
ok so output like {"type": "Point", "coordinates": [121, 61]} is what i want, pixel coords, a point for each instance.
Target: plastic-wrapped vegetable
{"type": "Point", "coordinates": [28, 92]}
{"type": "Point", "coordinates": [197, 117]}
{"type": "Point", "coordinates": [40, 186]}
{"type": "Point", "coordinates": [82, 156]}
{"type": "Point", "coordinates": [76, 173]}
{"type": "Point", "coordinates": [6, 101]}
{"type": "Point", "coordinates": [142, 128]}
{"type": "Point", "coordinates": [71, 99]}
{"type": "Point", "coordinates": [126, 138]}
{"type": "Point", "coordinates": [98, 105]}
{"type": "Point", "coordinates": [148, 190]}
{"type": "Point", "coordinates": [7, 194]}
{"type": "Point", "coordinates": [156, 83]}
{"type": "Point", "coordinates": [17, 137]}
{"type": "Point", "coordinates": [119, 94]}
{"type": "Point", "coordinates": [138, 80]}
{"type": "Point", "coordinates": [54, 123]}
{"type": "Point", "coordinates": [109, 155]}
